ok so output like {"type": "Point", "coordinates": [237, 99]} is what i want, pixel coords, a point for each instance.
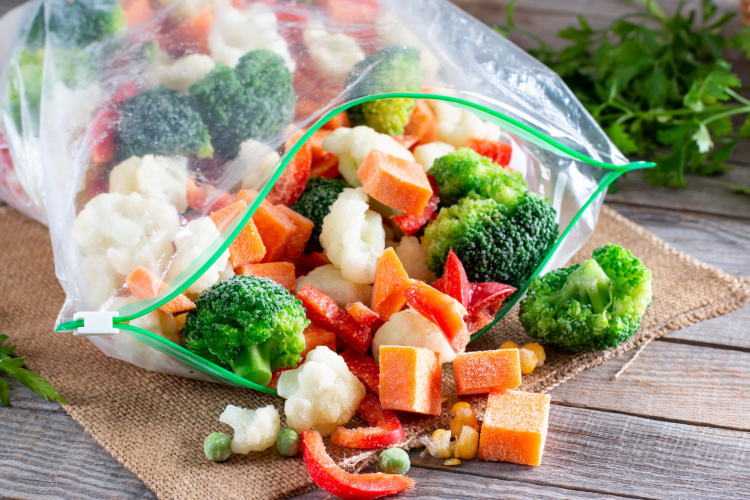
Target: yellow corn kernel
{"type": "Point", "coordinates": [509, 345]}
{"type": "Point", "coordinates": [460, 404]}
{"type": "Point", "coordinates": [452, 461]}
{"type": "Point", "coordinates": [528, 361]}
{"type": "Point", "coordinates": [467, 442]}
{"type": "Point", "coordinates": [464, 416]}
{"type": "Point", "coordinates": [538, 351]}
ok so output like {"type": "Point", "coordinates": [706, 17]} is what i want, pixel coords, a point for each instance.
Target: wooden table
{"type": "Point", "coordinates": [675, 425]}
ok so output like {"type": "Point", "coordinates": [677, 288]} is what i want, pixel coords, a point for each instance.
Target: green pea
{"type": "Point", "coordinates": [217, 447]}
{"type": "Point", "coordinates": [393, 461]}
{"type": "Point", "coordinates": [287, 442]}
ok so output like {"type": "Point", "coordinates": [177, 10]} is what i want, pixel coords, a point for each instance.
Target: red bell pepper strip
{"type": "Point", "coordinates": [385, 429]}
{"type": "Point", "coordinates": [484, 295]}
{"type": "Point", "coordinates": [362, 314]}
{"type": "Point", "coordinates": [456, 283]}
{"type": "Point", "coordinates": [410, 224]}
{"type": "Point", "coordinates": [441, 310]}
{"type": "Point", "coordinates": [497, 151]}
{"type": "Point", "coordinates": [364, 368]}
{"type": "Point", "coordinates": [337, 481]}
{"type": "Point", "coordinates": [290, 185]}
{"type": "Point", "coordinates": [101, 141]}
{"type": "Point", "coordinates": [325, 314]}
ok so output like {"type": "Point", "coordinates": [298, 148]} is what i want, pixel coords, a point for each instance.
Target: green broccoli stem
{"type": "Point", "coordinates": [589, 284]}
{"type": "Point", "coordinates": [254, 362]}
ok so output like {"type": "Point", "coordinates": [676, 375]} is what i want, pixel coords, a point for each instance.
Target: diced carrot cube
{"type": "Point", "coordinates": [298, 239]}
{"type": "Point", "coordinates": [410, 224]}
{"type": "Point", "coordinates": [316, 143]}
{"type": "Point", "coordinates": [514, 427]}
{"type": "Point", "coordinates": [324, 313]}
{"type": "Point", "coordinates": [441, 309]}
{"type": "Point", "coordinates": [248, 247]}
{"type": "Point", "coordinates": [406, 141]}
{"type": "Point", "coordinates": [207, 198]}
{"type": "Point", "coordinates": [398, 183]}
{"type": "Point", "coordinates": [290, 185]}
{"type": "Point", "coordinates": [410, 379]}
{"type": "Point", "coordinates": [388, 288]}
{"type": "Point", "coordinates": [340, 120]}
{"type": "Point", "coordinates": [315, 337]}
{"type": "Point", "coordinates": [192, 35]}
{"type": "Point", "coordinates": [275, 230]}
{"type": "Point", "coordinates": [487, 371]}
{"type": "Point", "coordinates": [179, 320]}
{"type": "Point", "coordinates": [146, 285]}
{"type": "Point", "coordinates": [362, 314]}
{"type": "Point", "coordinates": [138, 12]}
{"type": "Point", "coordinates": [364, 368]}
{"type": "Point", "coordinates": [422, 124]}
{"type": "Point", "coordinates": [280, 272]}
{"type": "Point", "coordinates": [498, 152]}
{"type": "Point", "coordinates": [305, 107]}
{"type": "Point", "coordinates": [325, 166]}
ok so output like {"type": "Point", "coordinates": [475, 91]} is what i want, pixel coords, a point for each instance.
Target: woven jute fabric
{"type": "Point", "coordinates": [154, 424]}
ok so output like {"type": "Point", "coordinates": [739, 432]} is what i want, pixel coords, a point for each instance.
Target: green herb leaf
{"type": "Point", "coordinates": [13, 367]}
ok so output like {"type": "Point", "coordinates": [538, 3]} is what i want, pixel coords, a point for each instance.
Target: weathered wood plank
{"type": "Point", "coordinates": [671, 381]}
{"type": "Point", "coordinates": [48, 455]}
{"type": "Point", "coordinates": [706, 195]}
{"type": "Point", "coordinates": [454, 483]}
{"type": "Point", "coordinates": [731, 330]}
{"type": "Point", "coordinates": [720, 241]}
{"type": "Point", "coordinates": [607, 452]}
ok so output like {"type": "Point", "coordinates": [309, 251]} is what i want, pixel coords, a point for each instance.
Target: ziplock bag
{"type": "Point", "coordinates": [126, 125]}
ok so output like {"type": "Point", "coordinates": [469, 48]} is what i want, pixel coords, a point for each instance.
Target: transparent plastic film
{"type": "Point", "coordinates": [167, 143]}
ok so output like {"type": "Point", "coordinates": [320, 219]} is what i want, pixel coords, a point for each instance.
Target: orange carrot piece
{"type": "Point", "coordinates": [146, 285]}
{"type": "Point", "coordinates": [289, 186]}
{"type": "Point", "coordinates": [422, 124]}
{"type": "Point", "coordinates": [410, 379]}
{"type": "Point", "coordinates": [280, 272]}
{"type": "Point", "coordinates": [192, 35]}
{"type": "Point", "coordinates": [248, 247]}
{"type": "Point", "coordinates": [398, 183]}
{"type": "Point", "coordinates": [388, 288]}
{"type": "Point", "coordinates": [298, 239]}
{"type": "Point", "coordinates": [315, 337]}
{"type": "Point", "coordinates": [138, 12]}
{"type": "Point", "coordinates": [406, 141]}
{"type": "Point", "coordinates": [340, 120]}
{"type": "Point", "coordinates": [275, 230]}
{"type": "Point", "coordinates": [207, 198]}
{"type": "Point", "coordinates": [326, 166]}
{"type": "Point", "coordinates": [362, 314]}
{"type": "Point", "coordinates": [480, 372]}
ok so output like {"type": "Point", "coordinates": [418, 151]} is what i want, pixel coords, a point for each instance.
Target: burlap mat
{"type": "Point", "coordinates": [154, 424]}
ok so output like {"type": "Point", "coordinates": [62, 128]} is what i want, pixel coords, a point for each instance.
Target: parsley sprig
{"type": "Point", "coordinates": [13, 367]}
{"type": "Point", "coordinates": [658, 85]}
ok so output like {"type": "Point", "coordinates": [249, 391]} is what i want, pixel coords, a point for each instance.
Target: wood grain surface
{"type": "Point", "coordinates": [674, 425]}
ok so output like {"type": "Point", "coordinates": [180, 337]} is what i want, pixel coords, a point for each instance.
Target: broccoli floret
{"type": "Point", "coordinates": [75, 68]}
{"type": "Point", "coordinates": [82, 22]}
{"type": "Point", "coordinates": [464, 170]}
{"type": "Point", "coordinates": [161, 122]}
{"type": "Point", "coordinates": [592, 306]}
{"type": "Point", "coordinates": [249, 324]}
{"type": "Point", "coordinates": [315, 203]}
{"type": "Point", "coordinates": [390, 69]}
{"type": "Point", "coordinates": [494, 243]}
{"type": "Point", "coordinates": [255, 100]}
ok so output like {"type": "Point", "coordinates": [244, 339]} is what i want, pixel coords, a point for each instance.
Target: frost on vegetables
{"type": "Point", "coordinates": [409, 328]}
{"type": "Point", "coordinates": [159, 177]}
{"type": "Point", "coordinates": [254, 430]}
{"type": "Point", "coordinates": [334, 54]}
{"type": "Point", "coordinates": [328, 279]}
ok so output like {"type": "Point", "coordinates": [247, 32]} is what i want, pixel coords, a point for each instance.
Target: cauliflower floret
{"type": "Point", "coordinates": [102, 278]}
{"type": "Point", "coordinates": [237, 32]}
{"type": "Point", "coordinates": [257, 160]}
{"type": "Point", "coordinates": [334, 54]}
{"type": "Point", "coordinates": [426, 154]}
{"type": "Point", "coordinates": [413, 257]}
{"type": "Point", "coordinates": [353, 237]}
{"type": "Point", "coordinates": [409, 328]}
{"type": "Point", "coordinates": [157, 177]}
{"type": "Point", "coordinates": [352, 145]}
{"type": "Point", "coordinates": [321, 394]}
{"type": "Point", "coordinates": [130, 230]}
{"type": "Point", "coordinates": [182, 10]}
{"type": "Point", "coordinates": [190, 243]}
{"type": "Point", "coordinates": [445, 112]}
{"type": "Point", "coordinates": [470, 125]}
{"type": "Point", "coordinates": [328, 280]}
{"type": "Point", "coordinates": [254, 430]}
{"type": "Point", "coordinates": [181, 73]}
{"type": "Point", "coordinates": [158, 322]}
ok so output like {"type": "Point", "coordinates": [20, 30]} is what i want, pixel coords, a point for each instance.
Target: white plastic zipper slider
{"type": "Point", "coordinates": [96, 323]}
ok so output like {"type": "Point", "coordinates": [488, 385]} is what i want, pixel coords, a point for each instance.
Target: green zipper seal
{"type": "Point", "coordinates": [195, 270]}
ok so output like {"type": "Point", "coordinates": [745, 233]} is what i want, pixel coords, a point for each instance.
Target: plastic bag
{"type": "Point", "coordinates": [125, 125]}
